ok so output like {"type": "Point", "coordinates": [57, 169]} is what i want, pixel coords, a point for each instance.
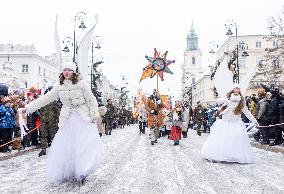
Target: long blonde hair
{"type": "Point", "coordinates": [241, 105]}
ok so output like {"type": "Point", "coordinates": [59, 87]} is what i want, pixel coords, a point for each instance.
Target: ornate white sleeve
{"type": "Point", "coordinates": [249, 115]}
{"type": "Point", "coordinates": [90, 100]}
{"type": "Point", "coordinates": [42, 101]}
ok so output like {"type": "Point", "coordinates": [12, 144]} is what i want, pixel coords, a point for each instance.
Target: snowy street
{"type": "Point", "coordinates": [133, 165]}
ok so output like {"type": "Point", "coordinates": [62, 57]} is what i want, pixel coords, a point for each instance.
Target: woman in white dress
{"type": "Point", "coordinates": [228, 140]}
{"type": "Point", "coordinates": [76, 150]}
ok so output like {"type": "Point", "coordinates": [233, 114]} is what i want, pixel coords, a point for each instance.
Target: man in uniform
{"type": "Point", "coordinates": [48, 124]}
{"type": "Point", "coordinates": [109, 116]}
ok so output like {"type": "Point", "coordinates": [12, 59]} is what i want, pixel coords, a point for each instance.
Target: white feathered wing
{"type": "Point", "coordinates": [83, 51]}
{"type": "Point", "coordinates": [223, 79]}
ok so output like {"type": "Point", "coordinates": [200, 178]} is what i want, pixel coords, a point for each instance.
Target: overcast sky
{"type": "Point", "coordinates": [130, 29]}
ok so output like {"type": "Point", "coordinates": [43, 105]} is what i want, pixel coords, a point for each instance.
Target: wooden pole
{"type": "Point", "coordinates": [157, 83]}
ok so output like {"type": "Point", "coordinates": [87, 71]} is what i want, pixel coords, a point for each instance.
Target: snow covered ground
{"type": "Point", "coordinates": [133, 165]}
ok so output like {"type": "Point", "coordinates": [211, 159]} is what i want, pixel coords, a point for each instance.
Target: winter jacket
{"type": "Point", "coordinates": [274, 111]}
{"type": "Point", "coordinates": [110, 111]}
{"type": "Point", "coordinates": [155, 115]}
{"type": "Point", "coordinates": [262, 110]}
{"type": "Point", "coordinates": [7, 117]}
{"type": "Point", "coordinates": [142, 113]}
{"type": "Point", "coordinates": [74, 97]}
{"type": "Point", "coordinates": [100, 123]}
{"type": "Point", "coordinates": [252, 107]}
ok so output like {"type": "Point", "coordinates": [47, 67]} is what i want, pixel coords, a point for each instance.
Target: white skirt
{"type": "Point", "coordinates": [228, 142]}
{"type": "Point", "coordinates": [76, 150]}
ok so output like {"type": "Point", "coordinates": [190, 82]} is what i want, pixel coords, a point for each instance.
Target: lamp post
{"type": "Point", "coordinates": [95, 75]}
{"type": "Point", "coordinates": [7, 66]}
{"type": "Point", "coordinates": [81, 18]}
{"type": "Point", "coordinates": [234, 67]}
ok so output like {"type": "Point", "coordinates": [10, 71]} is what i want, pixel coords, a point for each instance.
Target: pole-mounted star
{"type": "Point", "coordinates": [157, 66]}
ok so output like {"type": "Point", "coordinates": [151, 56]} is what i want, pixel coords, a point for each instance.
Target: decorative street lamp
{"type": "Point", "coordinates": [81, 17]}
{"type": "Point", "coordinates": [68, 41]}
{"type": "Point", "coordinates": [234, 67]}
{"type": "Point", "coordinates": [95, 74]}
{"type": "Point", "coordinates": [213, 47]}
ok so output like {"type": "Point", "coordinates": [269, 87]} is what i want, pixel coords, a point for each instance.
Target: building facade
{"type": "Point", "coordinates": [21, 64]}
{"type": "Point", "coordinates": [254, 45]}
{"type": "Point", "coordinates": [192, 65]}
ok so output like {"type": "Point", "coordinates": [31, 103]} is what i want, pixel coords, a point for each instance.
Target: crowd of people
{"type": "Point", "coordinates": [43, 123]}
{"type": "Point", "coordinates": [267, 106]}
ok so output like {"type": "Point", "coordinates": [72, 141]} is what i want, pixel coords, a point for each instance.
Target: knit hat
{"type": "Point", "coordinates": [69, 65]}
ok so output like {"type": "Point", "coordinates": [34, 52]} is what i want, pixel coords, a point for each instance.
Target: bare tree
{"type": "Point", "coordinates": [270, 69]}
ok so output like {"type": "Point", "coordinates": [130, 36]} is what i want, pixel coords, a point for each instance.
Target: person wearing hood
{"type": "Point", "coordinates": [77, 149]}
{"type": "Point", "coordinates": [7, 122]}
{"type": "Point", "coordinates": [228, 140]}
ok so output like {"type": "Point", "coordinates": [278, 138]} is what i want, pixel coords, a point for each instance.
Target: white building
{"type": "Point", "coordinates": [255, 45]}
{"type": "Point", "coordinates": [23, 65]}
{"type": "Point", "coordinates": [192, 65]}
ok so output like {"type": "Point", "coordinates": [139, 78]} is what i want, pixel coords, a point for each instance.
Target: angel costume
{"type": "Point", "coordinates": [76, 150]}
{"type": "Point", "coordinates": [228, 140]}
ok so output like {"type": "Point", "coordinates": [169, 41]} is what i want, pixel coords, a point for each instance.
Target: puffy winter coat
{"type": "Point", "coordinates": [74, 97]}
{"type": "Point", "coordinates": [7, 117]}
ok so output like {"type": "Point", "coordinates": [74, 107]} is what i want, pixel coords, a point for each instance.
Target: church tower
{"type": "Point", "coordinates": [192, 65]}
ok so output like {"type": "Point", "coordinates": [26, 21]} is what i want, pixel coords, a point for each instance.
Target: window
{"type": "Point", "coordinates": [25, 68]}
{"type": "Point", "coordinates": [276, 63]}
{"type": "Point", "coordinates": [275, 44]}
{"type": "Point", "coordinates": [44, 72]}
{"type": "Point", "coordinates": [39, 70]}
{"type": "Point", "coordinates": [241, 62]}
{"type": "Point", "coordinates": [193, 80]}
{"type": "Point", "coordinates": [259, 62]}
{"type": "Point", "coordinates": [193, 60]}
{"type": "Point", "coordinates": [241, 44]}
{"type": "Point", "coordinates": [258, 44]}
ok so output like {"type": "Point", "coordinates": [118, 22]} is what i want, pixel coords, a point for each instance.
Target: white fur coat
{"type": "Point", "coordinates": [74, 97]}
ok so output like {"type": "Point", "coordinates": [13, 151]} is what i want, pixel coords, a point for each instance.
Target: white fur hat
{"type": "Point", "coordinates": [69, 65]}
{"type": "Point", "coordinates": [236, 86]}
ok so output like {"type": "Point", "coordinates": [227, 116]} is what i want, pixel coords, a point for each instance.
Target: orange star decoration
{"type": "Point", "coordinates": [157, 66]}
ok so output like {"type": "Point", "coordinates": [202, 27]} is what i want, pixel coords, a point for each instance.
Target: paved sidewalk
{"type": "Point", "coordinates": [14, 153]}
{"type": "Point", "coordinates": [277, 149]}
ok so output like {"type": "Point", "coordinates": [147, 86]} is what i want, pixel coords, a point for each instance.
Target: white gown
{"type": "Point", "coordinates": [76, 150]}
{"type": "Point", "coordinates": [228, 140]}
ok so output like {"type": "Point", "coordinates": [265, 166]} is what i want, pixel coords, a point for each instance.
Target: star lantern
{"type": "Point", "coordinates": [157, 65]}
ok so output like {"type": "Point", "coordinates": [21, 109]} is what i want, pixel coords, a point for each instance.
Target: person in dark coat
{"type": "Point", "coordinates": [274, 115]}
{"type": "Point", "coordinates": [109, 116]}
{"type": "Point", "coordinates": [262, 108]}
{"type": "Point", "coordinates": [199, 117]}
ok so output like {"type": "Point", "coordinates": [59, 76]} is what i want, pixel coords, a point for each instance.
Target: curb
{"type": "Point", "coordinates": [276, 149]}
{"type": "Point", "coordinates": [19, 153]}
